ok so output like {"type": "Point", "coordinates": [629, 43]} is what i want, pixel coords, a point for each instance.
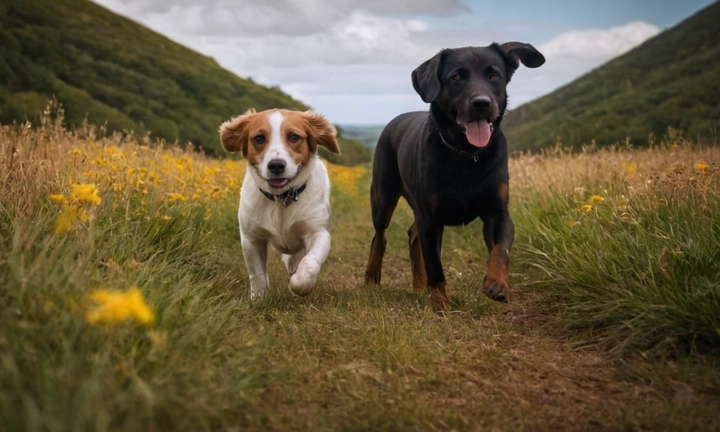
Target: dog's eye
{"type": "Point", "coordinates": [293, 137]}
{"type": "Point", "coordinates": [456, 77]}
{"type": "Point", "coordinates": [259, 139]}
{"type": "Point", "coordinates": [493, 75]}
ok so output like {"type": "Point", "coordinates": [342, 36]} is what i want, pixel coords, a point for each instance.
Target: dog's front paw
{"type": "Point", "coordinates": [303, 281]}
{"type": "Point", "coordinates": [496, 289]}
{"type": "Point", "coordinates": [254, 296]}
{"type": "Point", "coordinates": [258, 286]}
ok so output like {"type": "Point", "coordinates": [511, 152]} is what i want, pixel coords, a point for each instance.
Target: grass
{"type": "Point", "coordinates": [571, 351]}
{"type": "Point", "coordinates": [626, 244]}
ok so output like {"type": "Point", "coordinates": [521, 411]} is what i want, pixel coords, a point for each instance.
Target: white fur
{"type": "Point", "coordinates": [300, 231]}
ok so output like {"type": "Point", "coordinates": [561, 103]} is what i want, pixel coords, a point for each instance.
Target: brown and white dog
{"type": "Point", "coordinates": [285, 197]}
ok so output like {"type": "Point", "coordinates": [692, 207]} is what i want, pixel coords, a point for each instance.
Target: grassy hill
{"type": "Point", "coordinates": [113, 71]}
{"type": "Point", "coordinates": [670, 80]}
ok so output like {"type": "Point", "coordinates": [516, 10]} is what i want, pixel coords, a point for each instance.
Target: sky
{"type": "Point", "coordinates": [351, 60]}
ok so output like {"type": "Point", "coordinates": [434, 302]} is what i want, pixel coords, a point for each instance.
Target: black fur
{"type": "Point", "coordinates": [426, 158]}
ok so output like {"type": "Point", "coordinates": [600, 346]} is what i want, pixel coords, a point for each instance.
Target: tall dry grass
{"type": "Point", "coordinates": [624, 241]}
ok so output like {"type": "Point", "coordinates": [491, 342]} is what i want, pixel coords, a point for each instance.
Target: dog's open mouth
{"type": "Point", "coordinates": [278, 182]}
{"type": "Point", "coordinates": [478, 132]}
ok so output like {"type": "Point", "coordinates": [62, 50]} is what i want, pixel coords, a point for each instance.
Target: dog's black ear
{"type": "Point", "coordinates": [321, 131]}
{"type": "Point", "coordinates": [523, 52]}
{"type": "Point", "coordinates": [425, 78]}
{"type": "Point", "coordinates": [233, 133]}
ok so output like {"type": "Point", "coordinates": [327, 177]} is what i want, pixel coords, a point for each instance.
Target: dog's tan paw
{"type": "Point", "coordinates": [496, 290]}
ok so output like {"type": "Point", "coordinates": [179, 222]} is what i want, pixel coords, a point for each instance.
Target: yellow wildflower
{"type": "Point", "coordinates": [574, 223]}
{"type": "Point", "coordinates": [114, 307]}
{"type": "Point", "coordinates": [86, 193]}
{"type": "Point", "coordinates": [60, 199]}
{"type": "Point", "coordinates": [596, 199]}
{"type": "Point", "coordinates": [66, 218]}
{"type": "Point", "coordinates": [345, 178]}
{"type": "Point", "coordinates": [176, 197]}
{"type": "Point", "coordinates": [631, 167]}
{"type": "Point", "coordinates": [703, 168]}
{"type": "Point", "coordinates": [164, 217]}
{"type": "Point", "coordinates": [587, 208]}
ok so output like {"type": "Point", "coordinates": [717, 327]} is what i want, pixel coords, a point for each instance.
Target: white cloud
{"type": "Point", "coordinates": [598, 45]}
{"type": "Point", "coordinates": [352, 59]}
{"type": "Point", "coordinates": [572, 54]}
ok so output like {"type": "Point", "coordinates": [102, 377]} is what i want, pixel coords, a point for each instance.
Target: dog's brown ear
{"type": "Point", "coordinates": [523, 52]}
{"type": "Point", "coordinates": [233, 133]}
{"type": "Point", "coordinates": [321, 131]}
{"type": "Point", "coordinates": [425, 78]}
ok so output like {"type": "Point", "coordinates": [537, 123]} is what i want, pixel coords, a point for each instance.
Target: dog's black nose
{"type": "Point", "coordinates": [276, 166]}
{"type": "Point", "coordinates": [481, 103]}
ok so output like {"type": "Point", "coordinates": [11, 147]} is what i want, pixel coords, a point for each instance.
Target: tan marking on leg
{"type": "Point", "coordinates": [504, 192]}
{"type": "Point", "coordinates": [373, 271]}
{"type": "Point", "coordinates": [438, 297]}
{"type": "Point", "coordinates": [495, 284]}
{"type": "Point", "coordinates": [416, 260]}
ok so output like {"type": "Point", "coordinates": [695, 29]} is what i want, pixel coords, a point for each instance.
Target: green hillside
{"type": "Point", "coordinates": [671, 80]}
{"type": "Point", "coordinates": [113, 71]}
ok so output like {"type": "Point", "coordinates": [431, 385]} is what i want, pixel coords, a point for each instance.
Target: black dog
{"type": "Point", "coordinates": [450, 164]}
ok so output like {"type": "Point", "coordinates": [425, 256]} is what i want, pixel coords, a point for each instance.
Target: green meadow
{"type": "Point", "coordinates": [613, 321]}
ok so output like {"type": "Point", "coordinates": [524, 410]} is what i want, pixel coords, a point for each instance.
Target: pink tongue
{"type": "Point", "coordinates": [278, 183]}
{"type": "Point", "coordinates": [478, 133]}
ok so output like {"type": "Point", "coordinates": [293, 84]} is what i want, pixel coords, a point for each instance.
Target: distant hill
{"type": "Point", "coordinates": [671, 80]}
{"type": "Point", "coordinates": [113, 71]}
{"type": "Point", "coordinates": [368, 135]}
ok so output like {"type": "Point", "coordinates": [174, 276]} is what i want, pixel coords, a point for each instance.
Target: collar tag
{"type": "Point", "coordinates": [292, 196]}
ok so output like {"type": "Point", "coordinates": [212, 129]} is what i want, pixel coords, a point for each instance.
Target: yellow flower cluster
{"type": "Point", "coordinates": [587, 208]}
{"type": "Point", "coordinates": [73, 207]}
{"type": "Point", "coordinates": [113, 307]}
{"type": "Point", "coordinates": [702, 168]}
{"type": "Point", "coordinates": [170, 171]}
{"type": "Point", "coordinates": [170, 174]}
{"type": "Point", "coordinates": [345, 178]}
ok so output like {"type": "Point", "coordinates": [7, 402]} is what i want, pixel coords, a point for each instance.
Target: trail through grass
{"type": "Point", "coordinates": [612, 322]}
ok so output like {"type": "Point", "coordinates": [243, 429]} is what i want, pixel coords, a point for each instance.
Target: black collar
{"type": "Point", "coordinates": [289, 195]}
{"type": "Point", "coordinates": [474, 156]}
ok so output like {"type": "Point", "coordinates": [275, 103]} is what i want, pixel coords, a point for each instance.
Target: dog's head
{"type": "Point", "coordinates": [278, 144]}
{"type": "Point", "coordinates": [468, 85]}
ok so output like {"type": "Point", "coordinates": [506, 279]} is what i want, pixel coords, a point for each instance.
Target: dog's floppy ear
{"type": "Point", "coordinates": [425, 78]}
{"type": "Point", "coordinates": [233, 133]}
{"type": "Point", "coordinates": [321, 131]}
{"type": "Point", "coordinates": [523, 52]}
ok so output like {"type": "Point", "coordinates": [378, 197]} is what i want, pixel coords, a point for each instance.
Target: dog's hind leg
{"type": "Point", "coordinates": [384, 196]}
{"type": "Point", "coordinates": [430, 239]}
{"type": "Point", "coordinates": [416, 260]}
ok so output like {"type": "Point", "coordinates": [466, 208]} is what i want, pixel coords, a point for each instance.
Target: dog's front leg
{"type": "Point", "coordinates": [255, 254]}
{"type": "Point", "coordinates": [430, 237]}
{"type": "Point", "coordinates": [305, 277]}
{"type": "Point", "coordinates": [498, 232]}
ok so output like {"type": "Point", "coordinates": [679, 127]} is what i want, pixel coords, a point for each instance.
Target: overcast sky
{"type": "Point", "coordinates": [351, 59]}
